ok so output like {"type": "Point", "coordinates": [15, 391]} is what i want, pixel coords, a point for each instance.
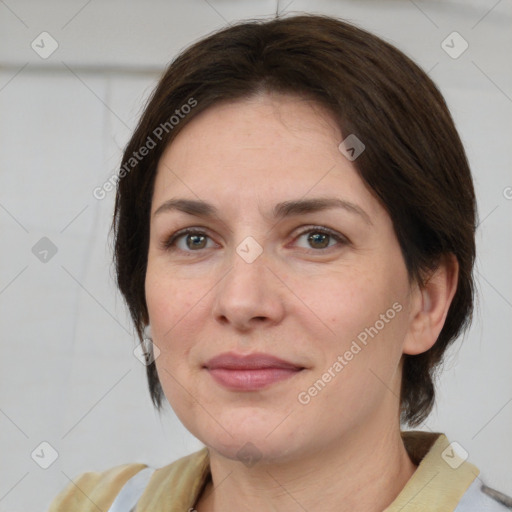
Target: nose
{"type": "Point", "coordinates": [249, 295]}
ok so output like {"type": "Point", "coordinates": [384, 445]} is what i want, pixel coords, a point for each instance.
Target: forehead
{"type": "Point", "coordinates": [270, 147]}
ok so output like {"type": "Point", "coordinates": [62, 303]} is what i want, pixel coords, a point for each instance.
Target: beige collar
{"type": "Point", "coordinates": [439, 481]}
{"type": "Point", "coordinates": [441, 478]}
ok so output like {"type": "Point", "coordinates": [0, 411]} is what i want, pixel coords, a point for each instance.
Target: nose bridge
{"type": "Point", "coordinates": [247, 279]}
{"type": "Point", "coordinates": [248, 291]}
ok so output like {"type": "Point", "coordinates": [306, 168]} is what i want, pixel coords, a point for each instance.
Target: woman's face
{"type": "Point", "coordinates": [323, 289]}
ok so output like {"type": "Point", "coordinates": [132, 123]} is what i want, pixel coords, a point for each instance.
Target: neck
{"type": "Point", "coordinates": [364, 471]}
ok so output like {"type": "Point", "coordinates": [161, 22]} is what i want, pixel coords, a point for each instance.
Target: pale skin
{"type": "Point", "coordinates": [302, 300]}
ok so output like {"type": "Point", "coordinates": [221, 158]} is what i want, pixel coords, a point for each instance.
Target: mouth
{"type": "Point", "coordinates": [251, 372]}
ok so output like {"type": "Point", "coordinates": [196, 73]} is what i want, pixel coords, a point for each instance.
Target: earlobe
{"type": "Point", "coordinates": [431, 303]}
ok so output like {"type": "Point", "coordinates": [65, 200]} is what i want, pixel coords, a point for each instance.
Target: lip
{"type": "Point", "coordinates": [250, 372]}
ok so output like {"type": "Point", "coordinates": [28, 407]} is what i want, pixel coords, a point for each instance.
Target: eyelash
{"type": "Point", "coordinates": [169, 243]}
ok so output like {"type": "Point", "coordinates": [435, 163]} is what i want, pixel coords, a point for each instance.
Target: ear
{"type": "Point", "coordinates": [429, 306]}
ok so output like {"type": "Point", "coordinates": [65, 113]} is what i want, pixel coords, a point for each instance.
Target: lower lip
{"type": "Point", "coordinates": [250, 380]}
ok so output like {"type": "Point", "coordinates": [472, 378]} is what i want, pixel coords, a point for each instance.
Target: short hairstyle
{"type": "Point", "coordinates": [414, 162]}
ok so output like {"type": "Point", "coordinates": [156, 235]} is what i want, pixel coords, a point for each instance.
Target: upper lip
{"type": "Point", "coordinates": [232, 361]}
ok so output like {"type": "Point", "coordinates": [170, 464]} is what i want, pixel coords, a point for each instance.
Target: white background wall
{"type": "Point", "coordinates": [68, 375]}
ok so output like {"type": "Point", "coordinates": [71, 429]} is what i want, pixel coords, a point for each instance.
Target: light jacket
{"type": "Point", "coordinates": [443, 482]}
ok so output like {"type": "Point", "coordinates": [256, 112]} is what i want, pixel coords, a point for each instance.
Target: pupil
{"type": "Point", "coordinates": [320, 238]}
{"type": "Point", "coordinates": [193, 239]}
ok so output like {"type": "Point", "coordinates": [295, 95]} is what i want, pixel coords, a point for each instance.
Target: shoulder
{"type": "Point", "coordinates": [93, 491]}
{"type": "Point", "coordinates": [177, 483]}
{"type": "Point", "coordinates": [481, 498]}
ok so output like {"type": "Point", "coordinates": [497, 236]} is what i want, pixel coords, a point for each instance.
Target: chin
{"type": "Point", "coordinates": [250, 451]}
{"type": "Point", "coordinates": [250, 443]}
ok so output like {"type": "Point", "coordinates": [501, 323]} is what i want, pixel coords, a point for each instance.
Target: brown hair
{"type": "Point", "coordinates": [414, 161]}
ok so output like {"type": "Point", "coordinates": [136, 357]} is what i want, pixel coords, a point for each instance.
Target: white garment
{"type": "Point", "coordinates": [132, 490]}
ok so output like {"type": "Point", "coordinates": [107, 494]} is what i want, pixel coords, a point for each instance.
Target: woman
{"type": "Point", "coordinates": [294, 226]}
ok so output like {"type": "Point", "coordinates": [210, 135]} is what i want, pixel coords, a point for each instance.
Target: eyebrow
{"type": "Point", "coordinates": [281, 210]}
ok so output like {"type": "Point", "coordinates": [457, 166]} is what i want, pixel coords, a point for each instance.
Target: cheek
{"type": "Point", "coordinates": [349, 300]}
{"type": "Point", "coordinates": [172, 306]}
{"type": "Point", "coordinates": [168, 299]}
{"type": "Point", "coordinates": [366, 313]}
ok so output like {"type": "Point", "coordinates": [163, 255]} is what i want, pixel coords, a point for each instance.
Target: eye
{"type": "Point", "coordinates": [187, 240]}
{"type": "Point", "coordinates": [319, 238]}
{"type": "Point", "coordinates": [194, 239]}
